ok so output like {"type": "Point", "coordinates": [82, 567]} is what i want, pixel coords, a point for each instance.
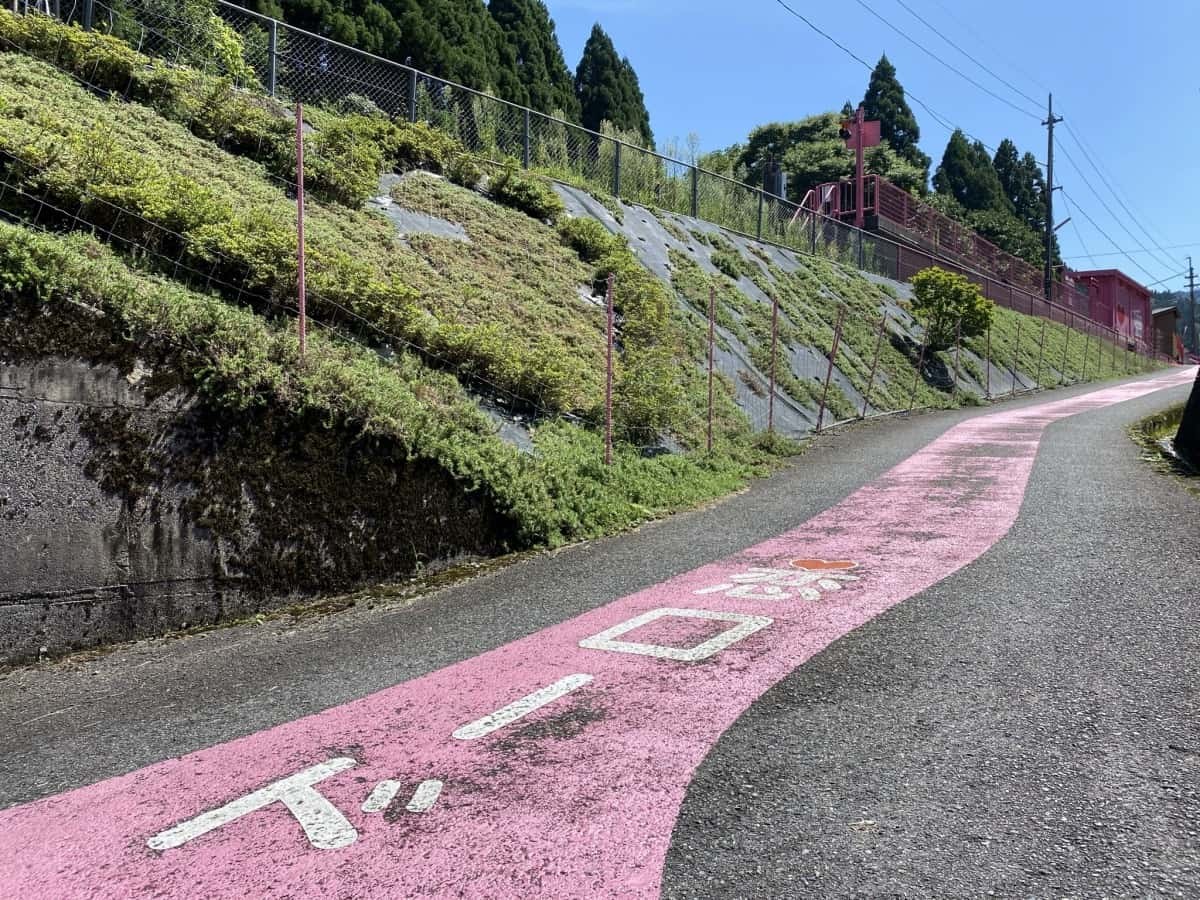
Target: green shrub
{"type": "Point", "coordinates": [465, 172]}
{"type": "Point", "coordinates": [945, 301]}
{"type": "Point", "coordinates": [347, 152]}
{"type": "Point", "coordinates": [359, 105]}
{"type": "Point", "coordinates": [730, 263]}
{"type": "Point", "coordinates": [346, 161]}
{"type": "Point", "coordinates": [529, 193]}
{"type": "Point", "coordinates": [587, 237]}
{"type": "Point", "coordinates": [415, 145]}
{"type": "Point", "coordinates": [193, 31]}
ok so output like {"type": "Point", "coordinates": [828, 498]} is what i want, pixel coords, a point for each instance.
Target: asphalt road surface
{"type": "Point", "coordinates": [950, 656]}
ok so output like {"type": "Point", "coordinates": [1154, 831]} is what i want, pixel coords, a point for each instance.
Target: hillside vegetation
{"type": "Point", "coordinates": [161, 227]}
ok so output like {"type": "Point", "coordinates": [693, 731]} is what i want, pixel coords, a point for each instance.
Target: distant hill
{"type": "Point", "coordinates": [1163, 299]}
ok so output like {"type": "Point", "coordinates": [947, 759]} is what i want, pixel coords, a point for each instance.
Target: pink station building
{"type": "Point", "coordinates": [1117, 301]}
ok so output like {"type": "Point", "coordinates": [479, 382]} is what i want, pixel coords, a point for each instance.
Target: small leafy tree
{"type": "Point", "coordinates": [944, 299]}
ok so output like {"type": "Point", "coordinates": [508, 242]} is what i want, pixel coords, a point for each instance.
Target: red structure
{"type": "Point", "coordinates": [1110, 300]}
{"type": "Point", "coordinates": [1118, 302]}
{"type": "Point", "coordinates": [860, 134]}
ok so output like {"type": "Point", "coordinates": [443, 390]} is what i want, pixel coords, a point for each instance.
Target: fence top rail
{"type": "Point", "coordinates": [462, 87]}
{"type": "Point", "coordinates": [767, 195]}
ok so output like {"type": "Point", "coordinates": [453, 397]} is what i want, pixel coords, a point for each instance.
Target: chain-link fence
{"type": "Point", "coordinates": [791, 389]}
{"type": "Point", "coordinates": [294, 64]}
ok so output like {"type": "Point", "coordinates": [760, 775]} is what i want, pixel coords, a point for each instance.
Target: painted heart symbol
{"type": "Point", "coordinates": [823, 565]}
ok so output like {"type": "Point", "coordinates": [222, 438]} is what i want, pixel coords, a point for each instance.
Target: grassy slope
{"type": "Point", "coordinates": [505, 308]}
{"type": "Point", "coordinates": [513, 291]}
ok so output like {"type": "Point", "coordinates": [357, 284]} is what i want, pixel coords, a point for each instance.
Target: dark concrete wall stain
{"type": "Point", "coordinates": [130, 508]}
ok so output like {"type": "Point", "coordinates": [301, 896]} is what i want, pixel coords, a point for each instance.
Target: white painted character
{"type": "Point", "coordinates": [806, 579]}
{"type": "Point", "coordinates": [323, 823]}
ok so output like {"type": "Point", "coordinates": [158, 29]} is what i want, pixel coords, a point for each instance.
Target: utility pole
{"type": "Point", "coordinates": [1195, 348]}
{"type": "Point", "coordinates": [1051, 121]}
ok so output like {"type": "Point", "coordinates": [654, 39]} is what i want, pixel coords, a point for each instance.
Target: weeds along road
{"type": "Point", "coordinates": [939, 657]}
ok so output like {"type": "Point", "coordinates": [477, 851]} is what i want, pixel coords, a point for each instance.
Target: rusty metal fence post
{"type": "Point", "coordinates": [837, 339]}
{"type": "Point", "coordinates": [774, 345]}
{"type": "Point", "coordinates": [1087, 340]}
{"type": "Point", "coordinates": [957, 354]}
{"type": "Point", "coordinates": [608, 374]}
{"type": "Point", "coordinates": [987, 391]}
{"type": "Point", "coordinates": [300, 287]}
{"type": "Point", "coordinates": [912, 397]}
{"type": "Point", "coordinates": [1062, 375]}
{"type": "Point", "coordinates": [874, 366]}
{"type": "Point", "coordinates": [1037, 379]}
{"type": "Point", "coordinates": [712, 317]}
{"type": "Point", "coordinates": [1016, 360]}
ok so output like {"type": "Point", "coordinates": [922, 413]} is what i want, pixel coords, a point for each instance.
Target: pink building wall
{"type": "Point", "coordinates": [1118, 302]}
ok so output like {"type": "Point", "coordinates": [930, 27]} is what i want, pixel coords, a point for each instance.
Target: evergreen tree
{"type": "Point", "coordinates": [454, 39]}
{"type": "Point", "coordinates": [608, 89]}
{"type": "Point", "coordinates": [1033, 210]}
{"type": "Point", "coordinates": [1020, 179]}
{"type": "Point", "coordinates": [885, 101]}
{"type": "Point", "coordinates": [529, 31]}
{"type": "Point", "coordinates": [966, 173]}
{"type": "Point", "coordinates": [636, 103]}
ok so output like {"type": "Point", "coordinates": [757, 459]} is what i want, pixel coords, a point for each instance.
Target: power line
{"type": "Point", "coordinates": [1109, 210]}
{"type": "Point", "coordinates": [1105, 234]}
{"type": "Point", "coordinates": [941, 120]}
{"type": "Point", "coordinates": [1108, 184]}
{"type": "Point", "coordinates": [1012, 87]}
{"type": "Point", "coordinates": [1075, 226]}
{"type": "Point", "coordinates": [1125, 252]}
{"type": "Point", "coordinates": [957, 71]}
{"type": "Point", "coordinates": [1075, 137]}
{"type": "Point", "coordinates": [986, 43]}
{"type": "Point", "coordinates": [1168, 278]}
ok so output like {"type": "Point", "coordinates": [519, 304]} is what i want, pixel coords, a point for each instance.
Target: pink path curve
{"type": "Point", "coordinates": [577, 798]}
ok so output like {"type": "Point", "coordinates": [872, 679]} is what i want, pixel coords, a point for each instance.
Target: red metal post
{"type": "Point", "coordinates": [712, 317]}
{"type": "Point", "coordinates": [1041, 355]}
{"type": "Point", "coordinates": [912, 400]}
{"type": "Point", "coordinates": [957, 351]}
{"type": "Point", "coordinates": [859, 165]}
{"type": "Point", "coordinates": [1016, 359]}
{"type": "Point", "coordinates": [837, 339]}
{"type": "Point", "coordinates": [774, 344]}
{"type": "Point", "coordinates": [608, 380]}
{"type": "Point", "coordinates": [300, 288]}
{"type": "Point", "coordinates": [1114, 356]}
{"type": "Point", "coordinates": [988, 364]}
{"type": "Point", "coordinates": [874, 365]}
{"type": "Point", "coordinates": [1066, 347]}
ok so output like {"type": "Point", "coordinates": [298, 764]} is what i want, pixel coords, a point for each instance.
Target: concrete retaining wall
{"type": "Point", "coordinates": [127, 509]}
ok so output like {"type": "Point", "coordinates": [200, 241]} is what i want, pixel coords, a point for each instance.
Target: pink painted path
{"type": "Point", "coordinates": [577, 798]}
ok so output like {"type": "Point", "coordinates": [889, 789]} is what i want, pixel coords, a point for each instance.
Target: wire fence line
{"type": "Point", "coordinates": [606, 156]}
{"type": "Point", "coordinates": [293, 64]}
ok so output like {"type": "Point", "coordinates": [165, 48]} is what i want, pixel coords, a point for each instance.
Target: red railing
{"type": "Point", "coordinates": [932, 238]}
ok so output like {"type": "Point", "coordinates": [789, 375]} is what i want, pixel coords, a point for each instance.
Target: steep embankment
{"type": "Point", "coordinates": [453, 385]}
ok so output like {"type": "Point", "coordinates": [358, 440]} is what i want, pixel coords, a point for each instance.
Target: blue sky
{"type": "Point", "coordinates": [1126, 80]}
